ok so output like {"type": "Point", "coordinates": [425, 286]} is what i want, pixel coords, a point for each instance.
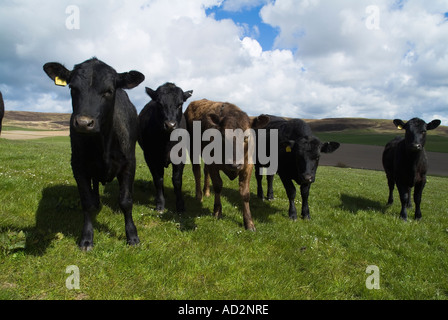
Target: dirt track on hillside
{"type": "Point", "coordinates": [370, 157]}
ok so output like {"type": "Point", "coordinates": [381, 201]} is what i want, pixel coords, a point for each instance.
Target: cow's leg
{"type": "Point", "coordinates": [126, 184]}
{"type": "Point", "coordinates": [291, 192]}
{"type": "Point", "coordinates": [244, 186]}
{"type": "Point", "coordinates": [404, 198]}
{"type": "Point", "coordinates": [391, 184]}
{"type": "Point", "coordinates": [305, 192]}
{"type": "Point", "coordinates": [259, 178]}
{"type": "Point", "coordinates": [96, 193]}
{"type": "Point", "coordinates": [177, 184]}
{"type": "Point", "coordinates": [89, 207]}
{"type": "Point", "coordinates": [197, 180]}
{"type": "Point", "coordinates": [206, 181]}
{"type": "Point", "coordinates": [217, 187]}
{"type": "Point", "coordinates": [157, 172]}
{"type": "Point", "coordinates": [270, 195]}
{"type": "Point", "coordinates": [418, 191]}
{"type": "Point", "coordinates": [409, 204]}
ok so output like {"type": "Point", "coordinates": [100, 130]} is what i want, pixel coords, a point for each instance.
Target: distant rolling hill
{"type": "Point", "coordinates": [36, 120]}
{"type": "Point", "coordinates": [345, 130]}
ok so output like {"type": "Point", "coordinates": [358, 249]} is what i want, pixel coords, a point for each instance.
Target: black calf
{"type": "Point", "coordinates": [298, 158]}
{"type": "Point", "coordinates": [406, 164]}
{"type": "Point", "coordinates": [157, 121]}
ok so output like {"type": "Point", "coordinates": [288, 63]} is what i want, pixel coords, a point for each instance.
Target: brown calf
{"type": "Point", "coordinates": [222, 116]}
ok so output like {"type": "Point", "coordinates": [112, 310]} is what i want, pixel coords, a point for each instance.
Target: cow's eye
{"type": "Point", "coordinates": [107, 94]}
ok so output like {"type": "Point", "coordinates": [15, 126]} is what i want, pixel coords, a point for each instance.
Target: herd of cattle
{"type": "Point", "coordinates": [105, 127]}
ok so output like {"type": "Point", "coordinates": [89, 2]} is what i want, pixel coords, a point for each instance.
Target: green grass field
{"type": "Point", "coordinates": [195, 256]}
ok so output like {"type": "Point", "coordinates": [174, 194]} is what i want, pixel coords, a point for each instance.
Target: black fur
{"type": "Point", "coordinates": [406, 164]}
{"type": "Point", "coordinates": [103, 134]}
{"type": "Point", "coordinates": [157, 120]}
{"type": "Point", "coordinates": [298, 154]}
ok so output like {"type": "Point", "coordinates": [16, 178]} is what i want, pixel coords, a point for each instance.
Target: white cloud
{"type": "Point", "coordinates": [327, 63]}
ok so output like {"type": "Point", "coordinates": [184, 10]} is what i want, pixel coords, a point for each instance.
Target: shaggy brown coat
{"type": "Point", "coordinates": [221, 116]}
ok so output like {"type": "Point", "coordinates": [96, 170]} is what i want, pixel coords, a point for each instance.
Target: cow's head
{"type": "Point", "coordinates": [260, 122]}
{"type": "Point", "coordinates": [170, 99]}
{"type": "Point", "coordinates": [306, 153]}
{"type": "Point", "coordinates": [415, 137]}
{"type": "Point", "coordinates": [93, 86]}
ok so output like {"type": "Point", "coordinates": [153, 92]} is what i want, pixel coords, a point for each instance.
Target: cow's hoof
{"type": "Point", "coordinates": [180, 208]}
{"type": "Point", "coordinates": [251, 228]}
{"type": "Point", "coordinates": [133, 241]}
{"type": "Point", "coordinates": [86, 245]}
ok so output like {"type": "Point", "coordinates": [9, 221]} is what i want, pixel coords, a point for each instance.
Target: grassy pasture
{"type": "Point", "coordinates": [194, 256]}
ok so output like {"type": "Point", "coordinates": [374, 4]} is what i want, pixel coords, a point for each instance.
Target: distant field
{"type": "Point", "coordinates": [195, 256]}
{"type": "Point", "coordinates": [344, 130]}
{"type": "Point", "coordinates": [434, 143]}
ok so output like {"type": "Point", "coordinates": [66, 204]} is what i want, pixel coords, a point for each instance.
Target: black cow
{"type": "Point", "coordinates": [2, 111]}
{"type": "Point", "coordinates": [103, 134]}
{"type": "Point", "coordinates": [158, 119]}
{"type": "Point", "coordinates": [405, 163]}
{"type": "Point", "coordinates": [298, 158]}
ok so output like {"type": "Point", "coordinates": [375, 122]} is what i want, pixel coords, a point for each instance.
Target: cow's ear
{"type": "Point", "coordinates": [187, 95]}
{"type": "Point", "coordinates": [287, 145]}
{"type": "Point", "coordinates": [399, 124]}
{"type": "Point", "coordinates": [151, 93]}
{"type": "Point", "coordinates": [58, 73]}
{"type": "Point", "coordinates": [433, 124]}
{"type": "Point", "coordinates": [213, 120]}
{"type": "Point", "coordinates": [260, 121]}
{"type": "Point", "coordinates": [330, 147]}
{"type": "Point", "coordinates": [129, 80]}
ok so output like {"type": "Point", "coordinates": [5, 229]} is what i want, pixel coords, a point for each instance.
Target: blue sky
{"type": "Point", "coordinates": [307, 59]}
{"type": "Point", "coordinates": [250, 20]}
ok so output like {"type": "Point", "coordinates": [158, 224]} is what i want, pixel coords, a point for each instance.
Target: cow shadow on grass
{"type": "Point", "coordinates": [355, 204]}
{"type": "Point", "coordinates": [59, 215]}
{"type": "Point", "coordinates": [261, 210]}
{"type": "Point", "coordinates": [144, 194]}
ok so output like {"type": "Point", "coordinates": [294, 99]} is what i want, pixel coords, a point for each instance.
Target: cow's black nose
{"type": "Point", "coordinates": [234, 166]}
{"type": "Point", "coordinates": [417, 147]}
{"type": "Point", "coordinates": [308, 178]}
{"type": "Point", "coordinates": [83, 123]}
{"type": "Point", "coordinates": [170, 126]}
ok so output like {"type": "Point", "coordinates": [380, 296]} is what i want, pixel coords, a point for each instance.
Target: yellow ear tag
{"type": "Point", "coordinates": [400, 128]}
{"type": "Point", "coordinates": [59, 82]}
{"type": "Point", "coordinates": [288, 149]}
